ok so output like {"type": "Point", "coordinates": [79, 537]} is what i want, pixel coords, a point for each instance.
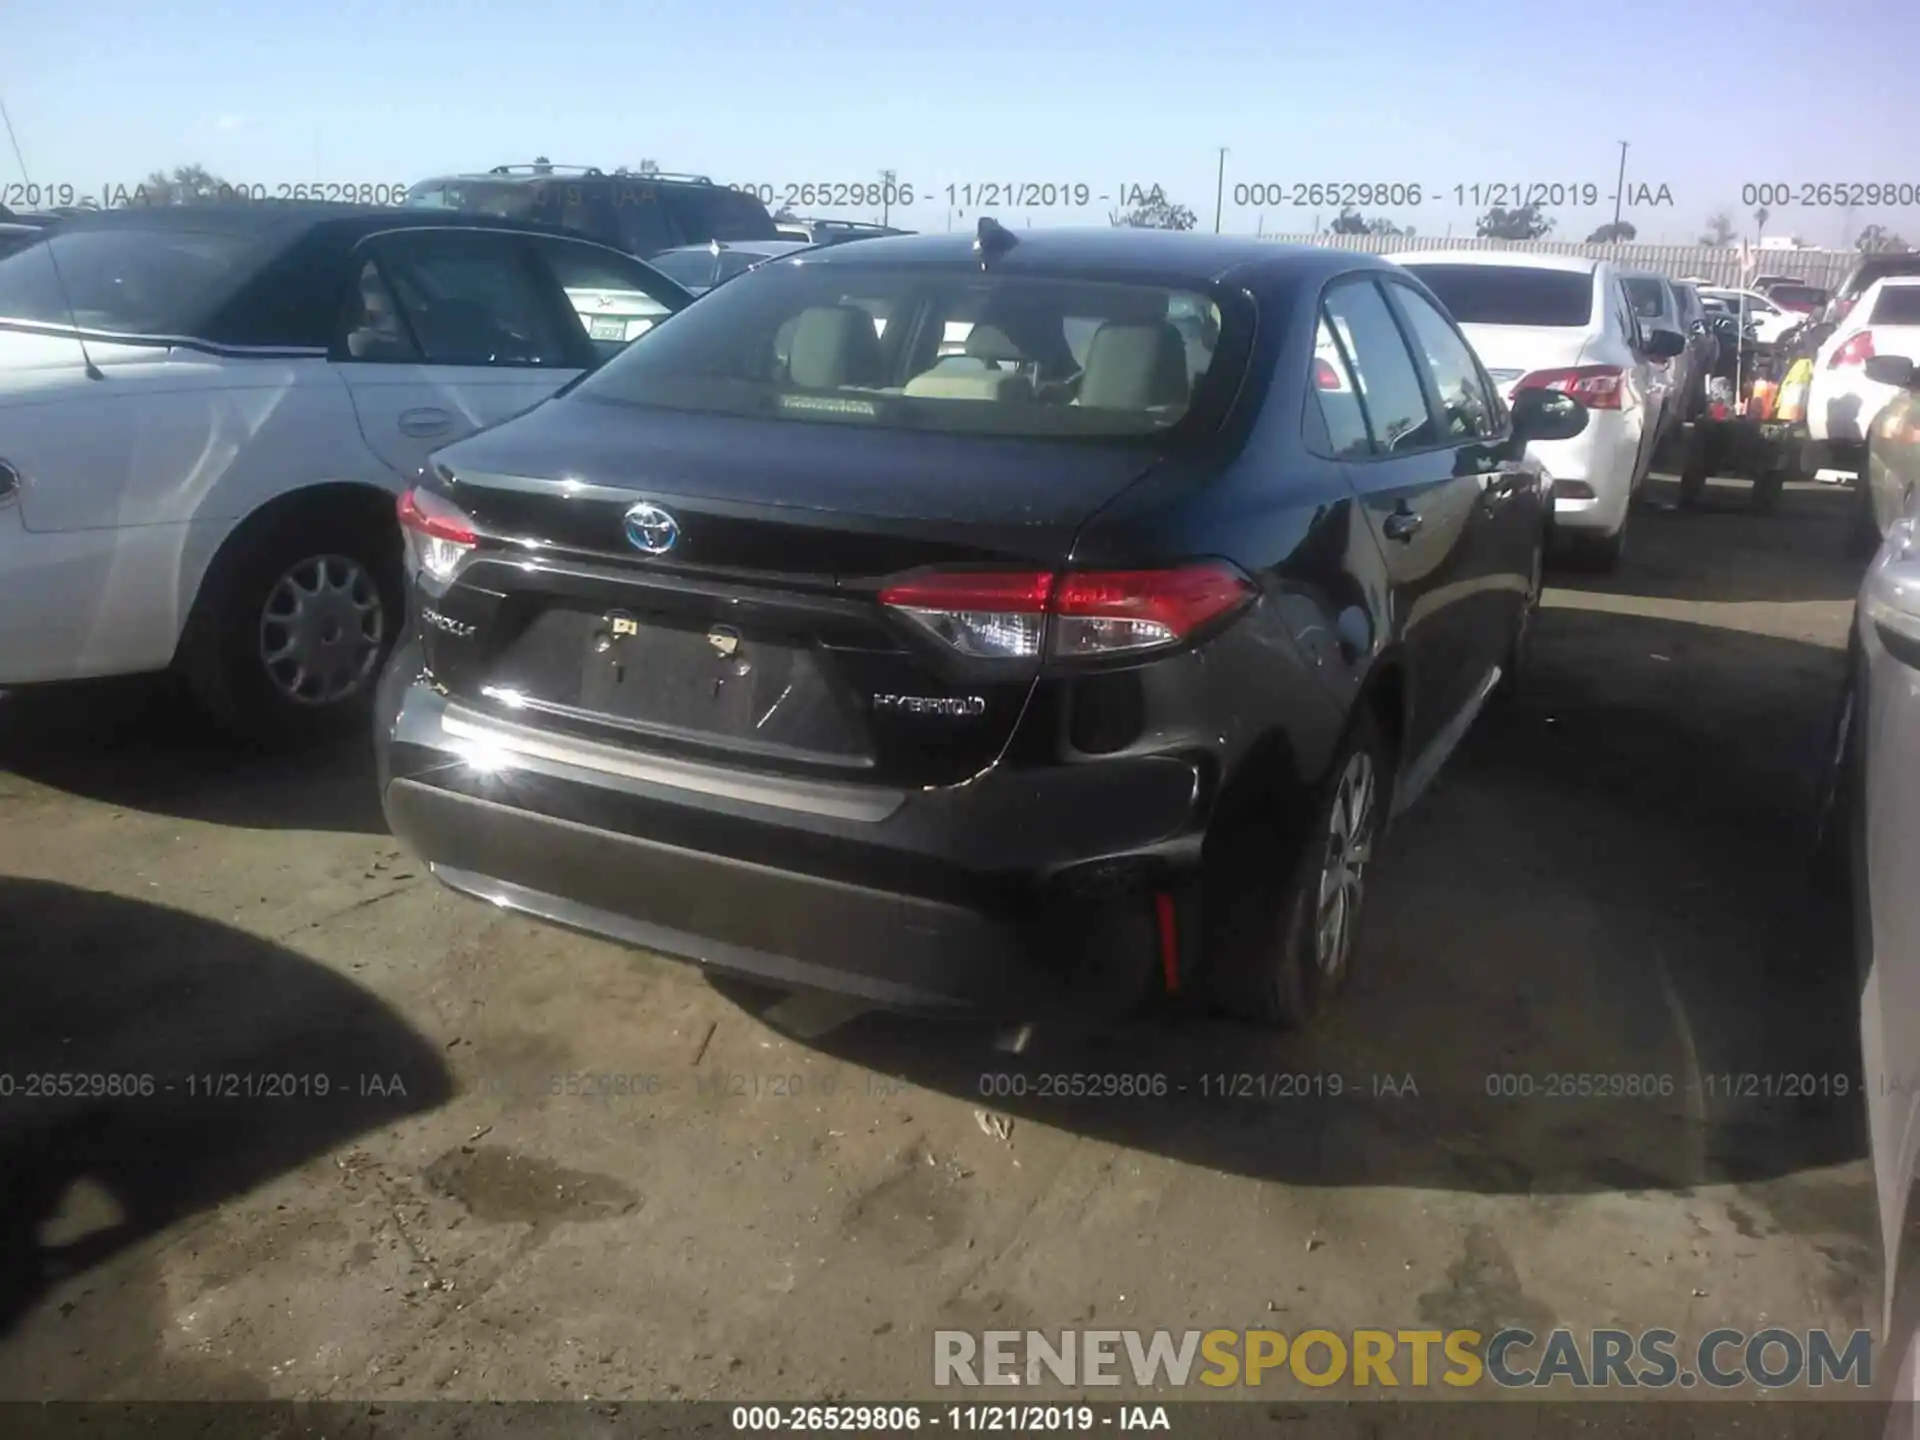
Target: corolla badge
{"type": "Point", "coordinates": [650, 529]}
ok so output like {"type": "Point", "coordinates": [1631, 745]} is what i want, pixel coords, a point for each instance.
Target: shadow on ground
{"type": "Point", "coordinates": [1797, 553]}
{"type": "Point", "coordinates": [226, 1041]}
{"type": "Point", "coordinates": [139, 745]}
{"type": "Point", "coordinates": [1607, 891]}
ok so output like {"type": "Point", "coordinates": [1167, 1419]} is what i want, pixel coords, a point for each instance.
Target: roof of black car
{"type": "Point", "coordinates": [1174, 255]}
{"type": "Point", "coordinates": [290, 217]}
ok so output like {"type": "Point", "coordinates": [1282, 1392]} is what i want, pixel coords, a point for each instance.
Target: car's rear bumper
{"type": "Point", "coordinates": [1842, 406]}
{"type": "Point", "coordinates": [920, 899]}
{"type": "Point", "coordinates": [1602, 460]}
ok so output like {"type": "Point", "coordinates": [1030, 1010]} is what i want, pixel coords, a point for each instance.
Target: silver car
{"type": "Point", "coordinates": [1870, 841]}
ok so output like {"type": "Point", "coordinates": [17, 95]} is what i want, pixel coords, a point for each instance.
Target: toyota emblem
{"type": "Point", "coordinates": [651, 530]}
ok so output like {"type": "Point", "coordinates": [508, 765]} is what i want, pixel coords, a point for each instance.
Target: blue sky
{"type": "Point", "coordinates": [1063, 91]}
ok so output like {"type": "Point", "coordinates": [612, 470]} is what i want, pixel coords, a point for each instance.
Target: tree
{"type": "Point", "coordinates": [1523, 223]}
{"type": "Point", "coordinates": [187, 185]}
{"type": "Point", "coordinates": [1719, 232]}
{"type": "Point", "coordinates": [1760, 218]}
{"type": "Point", "coordinates": [1614, 232]}
{"type": "Point", "coordinates": [785, 214]}
{"type": "Point", "coordinates": [1877, 238]}
{"type": "Point", "coordinates": [1351, 222]}
{"type": "Point", "coordinates": [1156, 213]}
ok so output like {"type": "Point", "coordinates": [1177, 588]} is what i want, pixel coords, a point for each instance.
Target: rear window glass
{"type": "Point", "coordinates": [1511, 295]}
{"type": "Point", "coordinates": [130, 282]}
{"type": "Point", "coordinates": [937, 349]}
{"type": "Point", "coordinates": [693, 268]}
{"type": "Point", "coordinates": [1649, 297]}
{"type": "Point", "coordinates": [1808, 296]}
{"type": "Point", "coordinates": [1872, 270]}
{"type": "Point", "coordinates": [708, 212]}
{"type": "Point", "coordinates": [1897, 305]}
{"type": "Point", "coordinates": [504, 199]}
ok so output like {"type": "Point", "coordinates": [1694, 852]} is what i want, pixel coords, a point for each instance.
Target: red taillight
{"type": "Point", "coordinates": [1095, 612]}
{"type": "Point", "coordinates": [1325, 377]}
{"type": "Point", "coordinates": [1856, 351]}
{"type": "Point", "coordinates": [1598, 387]}
{"type": "Point", "coordinates": [438, 532]}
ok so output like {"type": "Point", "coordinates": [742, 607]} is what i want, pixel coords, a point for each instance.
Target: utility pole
{"type": "Point", "coordinates": [886, 195]}
{"type": "Point", "coordinates": [1620, 185]}
{"type": "Point", "coordinates": [1219, 189]}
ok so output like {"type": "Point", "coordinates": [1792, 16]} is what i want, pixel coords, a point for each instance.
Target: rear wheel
{"type": "Point", "coordinates": [1696, 465]}
{"type": "Point", "coordinates": [1863, 528]}
{"type": "Point", "coordinates": [1512, 676]}
{"type": "Point", "coordinates": [1603, 552]}
{"type": "Point", "coordinates": [1288, 926]}
{"type": "Point", "coordinates": [293, 638]}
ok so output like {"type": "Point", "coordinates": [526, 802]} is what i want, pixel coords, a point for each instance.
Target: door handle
{"type": "Point", "coordinates": [1401, 525]}
{"type": "Point", "coordinates": [428, 421]}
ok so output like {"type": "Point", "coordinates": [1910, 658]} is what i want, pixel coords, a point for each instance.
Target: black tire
{"type": "Point", "coordinates": [1513, 675]}
{"type": "Point", "coordinates": [351, 561]}
{"type": "Point", "coordinates": [1863, 528]}
{"type": "Point", "coordinates": [1265, 962]}
{"type": "Point", "coordinates": [1603, 553]}
{"type": "Point", "coordinates": [1696, 467]}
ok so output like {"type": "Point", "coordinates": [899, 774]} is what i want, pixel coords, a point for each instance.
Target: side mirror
{"type": "Point", "coordinates": [1664, 344]}
{"type": "Point", "coordinates": [1891, 370]}
{"type": "Point", "coordinates": [1547, 415]}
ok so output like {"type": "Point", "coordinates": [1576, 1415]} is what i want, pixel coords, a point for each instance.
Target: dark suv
{"type": "Point", "coordinates": [642, 213]}
{"type": "Point", "coordinates": [1076, 663]}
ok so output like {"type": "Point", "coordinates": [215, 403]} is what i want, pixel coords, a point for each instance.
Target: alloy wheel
{"type": "Point", "coordinates": [321, 630]}
{"type": "Point", "coordinates": [1348, 849]}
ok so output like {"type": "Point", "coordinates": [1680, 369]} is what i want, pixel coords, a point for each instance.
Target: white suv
{"type": "Point", "coordinates": [1564, 322]}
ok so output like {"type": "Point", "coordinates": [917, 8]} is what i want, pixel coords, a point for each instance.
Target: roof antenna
{"type": "Point", "coordinates": [93, 371]}
{"type": "Point", "coordinates": [992, 240]}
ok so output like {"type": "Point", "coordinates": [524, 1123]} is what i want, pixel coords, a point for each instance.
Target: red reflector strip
{"type": "Point", "coordinates": [1169, 941]}
{"type": "Point", "coordinates": [1024, 593]}
{"type": "Point", "coordinates": [426, 513]}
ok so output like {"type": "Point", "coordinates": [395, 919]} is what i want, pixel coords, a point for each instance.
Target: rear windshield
{"type": "Point", "coordinates": [1897, 305]}
{"type": "Point", "coordinates": [164, 281]}
{"type": "Point", "coordinates": [1807, 296]}
{"type": "Point", "coordinates": [712, 213]}
{"type": "Point", "coordinates": [1649, 297]}
{"type": "Point", "coordinates": [692, 268]}
{"type": "Point", "coordinates": [1511, 295]}
{"type": "Point", "coordinates": [938, 349]}
{"type": "Point", "coordinates": [1872, 270]}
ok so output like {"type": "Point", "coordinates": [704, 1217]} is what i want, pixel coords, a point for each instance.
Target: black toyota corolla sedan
{"type": "Point", "coordinates": [937, 621]}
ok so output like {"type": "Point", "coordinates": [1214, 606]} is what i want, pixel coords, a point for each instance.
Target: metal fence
{"type": "Point", "coordinates": [1720, 266]}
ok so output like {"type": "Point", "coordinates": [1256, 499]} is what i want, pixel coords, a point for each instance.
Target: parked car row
{"type": "Point", "coordinates": [1573, 325]}
{"type": "Point", "coordinates": [896, 613]}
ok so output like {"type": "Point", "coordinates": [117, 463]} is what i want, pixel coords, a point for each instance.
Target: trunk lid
{"type": "Point", "coordinates": [756, 635]}
{"type": "Point", "coordinates": [1512, 351]}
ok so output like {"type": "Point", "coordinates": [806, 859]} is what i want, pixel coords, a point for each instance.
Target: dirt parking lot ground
{"type": "Point", "coordinates": [546, 1166]}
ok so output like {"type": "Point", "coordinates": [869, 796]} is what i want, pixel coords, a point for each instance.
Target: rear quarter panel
{"type": "Point", "coordinates": [1292, 521]}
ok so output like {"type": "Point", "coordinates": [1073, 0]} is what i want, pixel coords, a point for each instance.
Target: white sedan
{"type": "Point", "coordinates": [1842, 401]}
{"type": "Point", "coordinates": [206, 414]}
{"type": "Point", "coordinates": [1769, 321]}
